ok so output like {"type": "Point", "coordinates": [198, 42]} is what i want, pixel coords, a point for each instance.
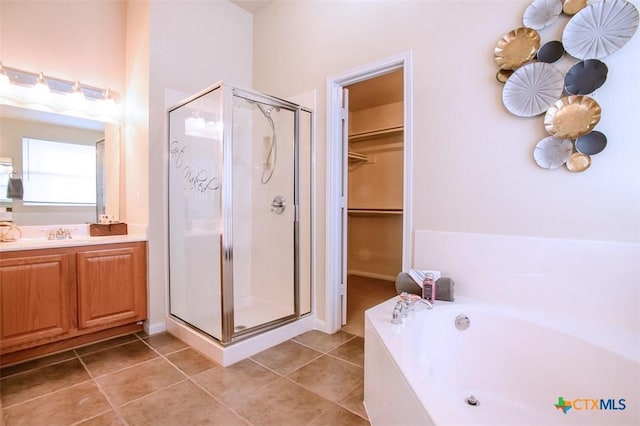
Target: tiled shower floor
{"type": "Point", "coordinates": [313, 379]}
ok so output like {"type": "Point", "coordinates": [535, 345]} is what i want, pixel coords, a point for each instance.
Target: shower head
{"type": "Point", "coordinates": [265, 109]}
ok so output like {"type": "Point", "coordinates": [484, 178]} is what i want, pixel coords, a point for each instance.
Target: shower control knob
{"type": "Point", "coordinates": [278, 204]}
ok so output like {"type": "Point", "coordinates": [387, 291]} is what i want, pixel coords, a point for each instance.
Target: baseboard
{"type": "Point", "coordinates": [371, 275]}
{"type": "Point", "coordinates": [155, 328]}
{"type": "Point", "coordinates": [323, 326]}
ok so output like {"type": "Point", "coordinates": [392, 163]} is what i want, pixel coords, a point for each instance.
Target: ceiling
{"type": "Point", "coordinates": [376, 91]}
{"type": "Point", "coordinates": [251, 6]}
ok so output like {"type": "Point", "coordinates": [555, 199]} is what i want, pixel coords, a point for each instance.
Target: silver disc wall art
{"type": "Point", "coordinates": [541, 13]}
{"type": "Point", "coordinates": [532, 89]}
{"type": "Point", "coordinates": [552, 152]}
{"type": "Point", "coordinates": [593, 29]}
{"type": "Point", "coordinates": [600, 29]}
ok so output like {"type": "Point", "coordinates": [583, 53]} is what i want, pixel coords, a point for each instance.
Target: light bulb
{"type": "Point", "coordinates": [76, 96]}
{"type": "Point", "coordinates": [41, 87]}
{"type": "Point", "coordinates": [4, 78]}
{"type": "Point", "coordinates": [109, 103]}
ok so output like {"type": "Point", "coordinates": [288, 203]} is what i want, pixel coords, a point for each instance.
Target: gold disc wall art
{"type": "Point", "coordinates": [534, 85]}
{"type": "Point", "coordinates": [517, 47]}
{"type": "Point", "coordinates": [572, 117]}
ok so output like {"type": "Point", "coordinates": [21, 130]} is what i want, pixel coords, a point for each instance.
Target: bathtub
{"type": "Point", "coordinates": [514, 363]}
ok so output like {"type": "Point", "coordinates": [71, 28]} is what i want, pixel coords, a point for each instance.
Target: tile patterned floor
{"type": "Point", "coordinates": [362, 294]}
{"type": "Point", "coordinates": [314, 379]}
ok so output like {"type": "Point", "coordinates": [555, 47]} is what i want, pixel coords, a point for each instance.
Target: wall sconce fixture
{"type": "Point", "coordinates": [37, 91]}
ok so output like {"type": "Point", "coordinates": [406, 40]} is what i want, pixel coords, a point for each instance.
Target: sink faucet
{"type": "Point", "coordinates": [403, 307]}
{"type": "Point", "coordinates": [59, 234]}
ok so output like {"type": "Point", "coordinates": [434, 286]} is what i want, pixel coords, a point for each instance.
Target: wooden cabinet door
{"type": "Point", "coordinates": [112, 285]}
{"type": "Point", "coordinates": [36, 294]}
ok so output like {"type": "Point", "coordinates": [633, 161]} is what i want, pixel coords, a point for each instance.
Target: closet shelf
{"type": "Point", "coordinates": [369, 212]}
{"type": "Point", "coordinates": [354, 137]}
{"type": "Point", "coordinates": [356, 156]}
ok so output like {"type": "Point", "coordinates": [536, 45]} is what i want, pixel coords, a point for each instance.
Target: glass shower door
{"type": "Point", "coordinates": [264, 213]}
{"type": "Point", "coordinates": [195, 215]}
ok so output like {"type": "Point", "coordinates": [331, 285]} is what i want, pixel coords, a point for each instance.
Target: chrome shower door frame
{"type": "Point", "coordinates": [225, 214]}
{"type": "Point", "coordinates": [228, 327]}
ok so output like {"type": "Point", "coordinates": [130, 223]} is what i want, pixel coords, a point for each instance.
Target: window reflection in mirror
{"type": "Point", "coordinates": [6, 167]}
{"type": "Point", "coordinates": [47, 201]}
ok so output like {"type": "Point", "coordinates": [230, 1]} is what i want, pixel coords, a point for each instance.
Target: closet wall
{"type": "Point", "coordinates": [375, 196]}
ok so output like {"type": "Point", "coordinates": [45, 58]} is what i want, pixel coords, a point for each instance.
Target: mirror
{"type": "Point", "coordinates": [18, 123]}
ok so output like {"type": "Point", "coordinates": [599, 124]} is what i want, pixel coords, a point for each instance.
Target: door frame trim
{"type": "Point", "coordinates": [333, 246]}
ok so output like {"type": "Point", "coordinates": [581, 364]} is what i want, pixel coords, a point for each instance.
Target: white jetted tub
{"type": "Point", "coordinates": [509, 367]}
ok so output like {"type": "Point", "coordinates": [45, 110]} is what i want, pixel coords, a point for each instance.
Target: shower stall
{"type": "Point", "coordinates": [239, 171]}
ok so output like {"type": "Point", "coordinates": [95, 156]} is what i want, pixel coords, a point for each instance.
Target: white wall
{"type": "Point", "coordinates": [68, 39]}
{"type": "Point", "coordinates": [473, 165]}
{"type": "Point", "coordinates": [193, 44]}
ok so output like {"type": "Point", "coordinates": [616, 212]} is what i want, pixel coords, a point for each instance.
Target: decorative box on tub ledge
{"type": "Point", "coordinates": [106, 229]}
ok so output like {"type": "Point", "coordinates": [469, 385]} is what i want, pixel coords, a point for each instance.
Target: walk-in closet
{"type": "Point", "coordinates": [375, 193]}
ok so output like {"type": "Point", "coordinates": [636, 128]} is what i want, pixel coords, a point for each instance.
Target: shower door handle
{"type": "Point", "coordinates": [278, 204]}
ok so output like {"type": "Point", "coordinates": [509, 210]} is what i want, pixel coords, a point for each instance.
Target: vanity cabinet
{"type": "Point", "coordinates": [36, 298]}
{"type": "Point", "coordinates": [53, 299]}
{"type": "Point", "coordinates": [107, 289]}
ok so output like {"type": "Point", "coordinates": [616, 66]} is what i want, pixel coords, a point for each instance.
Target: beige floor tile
{"type": "Point", "coordinates": [286, 357]}
{"type": "Point", "coordinates": [352, 351]}
{"type": "Point", "coordinates": [191, 362]}
{"type": "Point", "coordinates": [105, 344]}
{"type": "Point", "coordinates": [165, 343]}
{"type": "Point", "coordinates": [354, 401]}
{"type": "Point", "coordinates": [282, 403]}
{"type": "Point", "coordinates": [64, 407]}
{"type": "Point", "coordinates": [338, 416]}
{"type": "Point", "coordinates": [362, 294]}
{"type": "Point", "coordinates": [33, 383]}
{"type": "Point", "coordinates": [180, 404]}
{"type": "Point", "coordinates": [322, 341]}
{"type": "Point", "coordinates": [139, 380]}
{"type": "Point", "coordinates": [329, 377]}
{"type": "Point", "coordinates": [39, 362]}
{"type": "Point", "coordinates": [118, 357]}
{"type": "Point", "coordinates": [142, 334]}
{"type": "Point", "coordinates": [235, 383]}
{"type": "Point", "coordinates": [110, 418]}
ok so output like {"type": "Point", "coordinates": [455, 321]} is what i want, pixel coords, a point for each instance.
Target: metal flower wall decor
{"type": "Point", "coordinates": [534, 86]}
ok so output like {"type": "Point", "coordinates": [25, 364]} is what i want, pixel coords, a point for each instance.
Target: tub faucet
{"type": "Point", "coordinates": [403, 307]}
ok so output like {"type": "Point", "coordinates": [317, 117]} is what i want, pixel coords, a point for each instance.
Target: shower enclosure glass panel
{"type": "Point", "coordinates": [263, 213]}
{"type": "Point", "coordinates": [239, 172]}
{"type": "Point", "coordinates": [195, 223]}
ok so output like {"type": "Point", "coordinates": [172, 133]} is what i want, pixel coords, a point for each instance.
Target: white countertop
{"type": "Point", "coordinates": [35, 237]}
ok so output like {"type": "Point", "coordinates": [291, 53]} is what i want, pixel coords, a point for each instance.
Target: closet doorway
{"type": "Point", "coordinates": [369, 187]}
{"type": "Point", "coordinates": [374, 193]}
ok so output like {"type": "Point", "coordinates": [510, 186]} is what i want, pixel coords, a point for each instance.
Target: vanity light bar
{"type": "Point", "coordinates": [56, 85]}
